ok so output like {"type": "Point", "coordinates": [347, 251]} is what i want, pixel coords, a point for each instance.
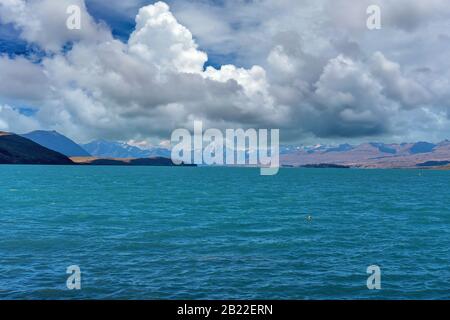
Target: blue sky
{"type": "Point", "coordinates": [310, 68]}
{"type": "Point", "coordinates": [122, 23]}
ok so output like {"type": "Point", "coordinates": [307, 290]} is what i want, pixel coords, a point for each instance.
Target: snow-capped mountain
{"type": "Point", "coordinates": [113, 149]}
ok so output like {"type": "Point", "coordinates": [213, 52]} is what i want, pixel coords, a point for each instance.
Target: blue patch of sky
{"type": "Point", "coordinates": [10, 42]}
{"type": "Point", "coordinates": [12, 45]}
{"type": "Point", "coordinates": [217, 60]}
{"type": "Point", "coordinates": [121, 23]}
{"type": "Point", "coordinates": [26, 110]}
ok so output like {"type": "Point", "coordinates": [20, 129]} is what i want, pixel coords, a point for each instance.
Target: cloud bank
{"type": "Point", "coordinates": [311, 69]}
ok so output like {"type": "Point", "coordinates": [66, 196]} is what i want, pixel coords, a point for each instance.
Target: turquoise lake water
{"type": "Point", "coordinates": [223, 233]}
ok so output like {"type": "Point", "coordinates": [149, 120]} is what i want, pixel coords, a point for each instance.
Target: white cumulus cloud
{"type": "Point", "coordinates": [311, 69]}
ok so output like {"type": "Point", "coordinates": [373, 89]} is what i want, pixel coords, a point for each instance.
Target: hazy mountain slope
{"type": "Point", "coordinates": [15, 149]}
{"type": "Point", "coordinates": [55, 141]}
{"type": "Point", "coordinates": [370, 155]}
{"type": "Point", "coordinates": [111, 149]}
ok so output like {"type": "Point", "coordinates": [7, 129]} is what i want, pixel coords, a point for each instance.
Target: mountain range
{"type": "Point", "coordinates": [57, 142]}
{"type": "Point", "coordinates": [370, 155]}
{"type": "Point", "coordinates": [53, 148]}
{"type": "Point", "coordinates": [15, 149]}
{"type": "Point", "coordinates": [111, 149]}
{"type": "Point", "coordinates": [99, 148]}
{"type": "Point", "coordinates": [366, 155]}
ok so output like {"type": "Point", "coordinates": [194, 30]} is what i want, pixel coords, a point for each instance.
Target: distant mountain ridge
{"type": "Point", "coordinates": [52, 147]}
{"type": "Point", "coordinates": [366, 155]}
{"type": "Point", "coordinates": [369, 155]}
{"type": "Point", "coordinates": [112, 149]}
{"type": "Point", "coordinates": [57, 142]}
{"type": "Point", "coordinates": [15, 149]}
{"type": "Point", "coordinates": [98, 148]}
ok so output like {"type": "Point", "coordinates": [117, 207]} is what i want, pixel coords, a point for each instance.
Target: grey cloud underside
{"type": "Point", "coordinates": [320, 72]}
